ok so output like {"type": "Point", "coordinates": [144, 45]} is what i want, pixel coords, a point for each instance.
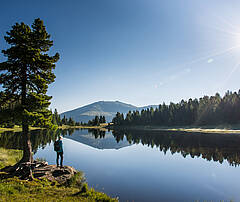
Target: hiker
{"type": "Point", "coordinates": [58, 147]}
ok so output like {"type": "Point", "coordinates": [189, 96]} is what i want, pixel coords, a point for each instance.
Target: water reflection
{"type": "Point", "coordinates": [97, 133]}
{"type": "Point", "coordinates": [39, 139]}
{"type": "Point", "coordinates": [140, 173]}
{"type": "Point", "coordinates": [100, 139]}
{"type": "Point", "coordinates": [216, 147]}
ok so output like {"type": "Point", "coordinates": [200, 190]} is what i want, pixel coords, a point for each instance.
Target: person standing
{"type": "Point", "coordinates": [58, 147]}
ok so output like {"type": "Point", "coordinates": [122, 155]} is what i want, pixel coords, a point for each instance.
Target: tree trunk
{"type": "Point", "coordinates": [23, 168]}
{"type": "Point", "coordinates": [27, 147]}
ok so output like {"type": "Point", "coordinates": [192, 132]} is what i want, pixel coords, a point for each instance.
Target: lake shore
{"type": "Point", "coordinates": [18, 129]}
{"type": "Point", "coordinates": [220, 129]}
{"type": "Point", "coordinates": [64, 127]}
{"type": "Point", "coordinates": [102, 126]}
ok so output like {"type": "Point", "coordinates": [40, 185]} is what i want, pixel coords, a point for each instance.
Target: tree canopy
{"type": "Point", "coordinates": [207, 110]}
{"type": "Point", "coordinates": [26, 74]}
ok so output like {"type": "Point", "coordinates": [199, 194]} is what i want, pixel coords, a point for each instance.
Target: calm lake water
{"type": "Point", "coordinates": [148, 166]}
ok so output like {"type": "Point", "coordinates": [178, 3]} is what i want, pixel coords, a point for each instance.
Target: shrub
{"type": "Point", "coordinates": [78, 180]}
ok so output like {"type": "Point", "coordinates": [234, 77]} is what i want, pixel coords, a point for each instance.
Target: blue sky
{"type": "Point", "coordinates": [140, 51]}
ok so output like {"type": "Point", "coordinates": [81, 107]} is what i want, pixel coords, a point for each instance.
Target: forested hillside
{"type": "Point", "coordinates": [204, 111]}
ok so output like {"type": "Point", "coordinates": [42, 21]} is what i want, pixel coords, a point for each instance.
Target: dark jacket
{"type": "Point", "coordinates": [60, 146]}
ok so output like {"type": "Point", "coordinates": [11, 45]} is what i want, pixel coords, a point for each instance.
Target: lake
{"type": "Point", "coordinates": [147, 166]}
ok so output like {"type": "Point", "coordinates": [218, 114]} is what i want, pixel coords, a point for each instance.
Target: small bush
{"type": "Point", "coordinates": [76, 181]}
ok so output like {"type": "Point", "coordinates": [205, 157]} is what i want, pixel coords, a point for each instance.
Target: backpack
{"type": "Point", "coordinates": [57, 145]}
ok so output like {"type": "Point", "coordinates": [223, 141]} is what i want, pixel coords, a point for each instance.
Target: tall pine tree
{"type": "Point", "coordinates": [25, 77]}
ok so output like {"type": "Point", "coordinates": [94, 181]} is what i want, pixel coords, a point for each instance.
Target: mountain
{"type": "Point", "coordinates": [101, 108]}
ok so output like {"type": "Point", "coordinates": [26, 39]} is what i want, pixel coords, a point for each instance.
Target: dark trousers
{"type": "Point", "coordinates": [61, 155]}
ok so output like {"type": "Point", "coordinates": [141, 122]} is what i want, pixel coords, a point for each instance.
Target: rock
{"type": "Point", "coordinates": [41, 170]}
{"type": "Point", "coordinates": [54, 173]}
{"type": "Point", "coordinates": [40, 163]}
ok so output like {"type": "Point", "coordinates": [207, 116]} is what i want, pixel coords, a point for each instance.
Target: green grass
{"type": "Point", "coordinates": [9, 157]}
{"type": "Point", "coordinates": [17, 129]}
{"type": "Point", "coordinates": [101, 126]}
{"type": "Point", "coordinates": [13, 189]}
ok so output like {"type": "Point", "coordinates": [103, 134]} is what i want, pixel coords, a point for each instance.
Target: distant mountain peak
{"type": "Point", "coordinates": [100, 108]}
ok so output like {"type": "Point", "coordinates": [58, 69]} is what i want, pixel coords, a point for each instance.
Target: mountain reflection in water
{"type": "Point", "coordinates": [99, 139]}
{"type": "Point", "coordinates": [216, 147]}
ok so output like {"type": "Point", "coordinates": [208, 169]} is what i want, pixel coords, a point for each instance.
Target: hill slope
{"type": "Point", "coordinates": [101, 108]}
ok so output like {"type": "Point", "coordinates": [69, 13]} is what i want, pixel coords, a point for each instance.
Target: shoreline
{"type": "Point", "coordinates": [64, 127]}
{"type": "Point", "coordinates": [83, 127]}
{"type": "Point", "coordinates": [18, 129]}
{"type": "Point", "coordinates": [189, 129]}
{"type": "Point", "coordinates": [219, 129]}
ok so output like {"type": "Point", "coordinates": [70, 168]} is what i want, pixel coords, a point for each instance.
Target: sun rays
{"type": "Point", "coordinates": [228, 33]}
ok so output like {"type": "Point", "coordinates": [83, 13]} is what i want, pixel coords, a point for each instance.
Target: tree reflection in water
{"type": "Point", "coordinates": [216, 147]}
{"type": "Point", "coordinates": [39, 139]}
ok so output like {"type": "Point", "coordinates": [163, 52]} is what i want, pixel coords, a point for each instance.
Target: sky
{"type": "Point", "coordinates": [140, 52]}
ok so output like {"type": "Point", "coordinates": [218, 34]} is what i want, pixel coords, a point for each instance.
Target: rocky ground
{"type": "Point", "coordinates": [41, 170]}
{"type": "Point", "coordinates": [54, 173]}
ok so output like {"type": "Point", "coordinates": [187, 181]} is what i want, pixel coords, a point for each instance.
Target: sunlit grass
{"type": "Point", "coordinates": [13, 189]}
{"type": "Point", "coordinates": [102, 125]}
{"type": "Point", "coordinates": [17, 128]}
{"type": "Point", "coordinates": [9, 157]}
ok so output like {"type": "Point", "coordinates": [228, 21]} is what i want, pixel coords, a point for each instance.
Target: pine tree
{"type": "Point", "coordinates": [56, 116]}
{"type": "Point", "coordinates": [64, 120]}
{"type": "Point", "coordinates": [54, 120]}
{"type": "Point", "coordinates": [96, 121]}
{"type": "Point", "coordinates": [103, 119]}
{"type": "Point", "coordinates": [90, 123]}
{"type": "Point", "coordinates": [25, 77]}
{"type": "Point", "coordinates": [128, 118]}
{"type": "Point", "coordinates": [71, 122]}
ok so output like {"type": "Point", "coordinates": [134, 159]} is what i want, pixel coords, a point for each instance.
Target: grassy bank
{"type": "Point", "coordinates": [14, 189]}
{"type": "Point", "coordinates": [63, 127]}
{"type": "Point", "coordinates": [221, 129]}
{"type": "Point", "coordinates": [17, 129]}
{"type": "Point", "coordinates": [9, 157]}
{"type": "Point", "coordinates": [101, 126]}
